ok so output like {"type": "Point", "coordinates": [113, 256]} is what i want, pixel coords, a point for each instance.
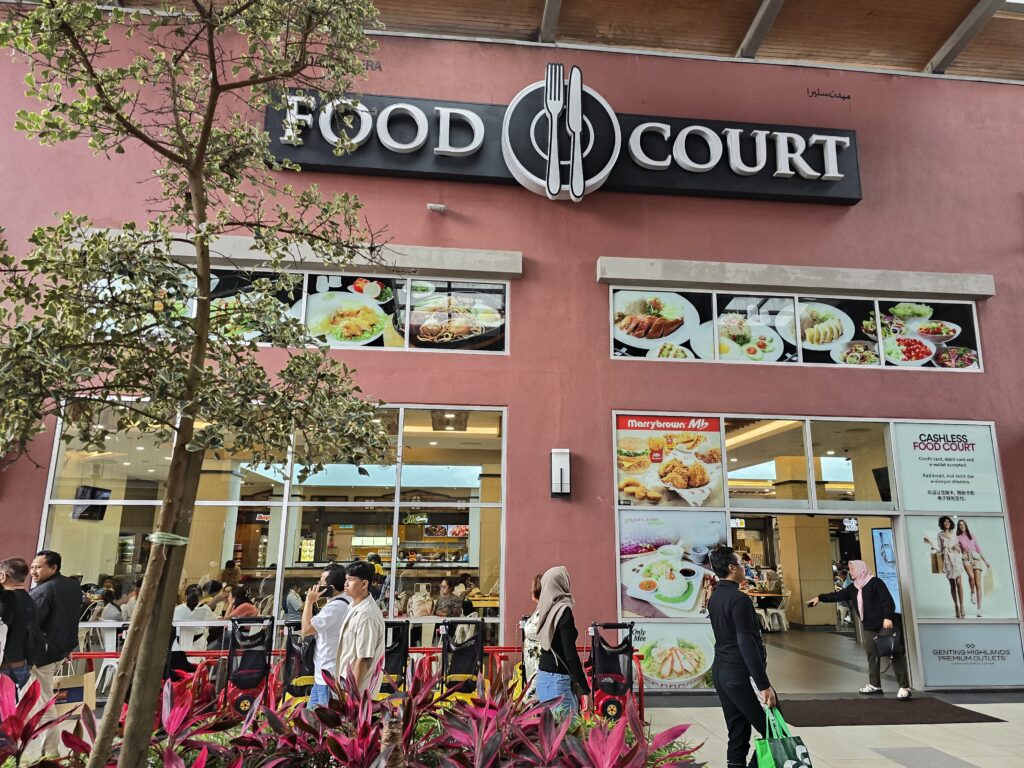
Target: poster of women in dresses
{"type": "Point", "coordinates": [961, 567]}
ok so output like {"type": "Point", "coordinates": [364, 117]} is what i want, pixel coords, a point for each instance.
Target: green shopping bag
{"type": "Point", "coordinates": [780, 748]}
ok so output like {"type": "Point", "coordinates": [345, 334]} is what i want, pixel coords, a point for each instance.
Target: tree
{"type": "Point", "coordinates": [101, 327]}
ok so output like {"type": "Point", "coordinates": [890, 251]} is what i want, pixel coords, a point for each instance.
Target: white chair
{"type": "Point", "coordinates": [775, 618]}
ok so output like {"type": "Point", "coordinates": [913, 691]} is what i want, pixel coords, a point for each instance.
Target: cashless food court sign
{"type": "Point", "coordinates": [561, 138]}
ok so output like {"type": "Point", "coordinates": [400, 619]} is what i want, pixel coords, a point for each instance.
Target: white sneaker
{"type": "Point", "coordinates": [903, 694]}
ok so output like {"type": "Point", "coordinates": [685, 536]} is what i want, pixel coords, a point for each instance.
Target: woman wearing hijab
{"type": "Point", "coordinates": [559, 669]}
{"type": "Point", "coordinates": [877, 610]}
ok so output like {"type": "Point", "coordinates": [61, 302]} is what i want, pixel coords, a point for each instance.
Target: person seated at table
{"type": "Point", "coordinates": [748, 567]}
{"type": "Point", "coordinates": [448, 603]}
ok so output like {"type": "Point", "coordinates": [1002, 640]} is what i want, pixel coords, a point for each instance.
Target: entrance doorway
{"type": "Point", "coordinates": [795, 557]}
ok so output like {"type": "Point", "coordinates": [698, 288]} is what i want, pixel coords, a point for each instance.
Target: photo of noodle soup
{"type": "Point", "coordinates": [675, 656]}
{"type": "Point", "coordinates": [455, 321]}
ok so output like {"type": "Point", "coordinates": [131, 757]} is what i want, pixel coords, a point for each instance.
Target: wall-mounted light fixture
{"type": "Point", "coordinates": [437, 207]}
{"type": "Point", "coordinates": [560, 472]}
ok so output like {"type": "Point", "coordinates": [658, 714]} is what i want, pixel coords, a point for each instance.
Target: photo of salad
{"type": "Point", "coordinates": [231, 300]}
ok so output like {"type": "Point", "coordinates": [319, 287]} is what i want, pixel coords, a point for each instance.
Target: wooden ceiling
{"type": "Point", "coordinates": [975, 38]}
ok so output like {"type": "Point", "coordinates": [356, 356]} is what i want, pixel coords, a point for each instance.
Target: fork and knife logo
{"type": "Point", "coordinates": [557, 99]}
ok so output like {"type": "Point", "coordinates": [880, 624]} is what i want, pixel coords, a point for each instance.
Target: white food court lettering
{"type": "Point", "coordinates": [653, 146]}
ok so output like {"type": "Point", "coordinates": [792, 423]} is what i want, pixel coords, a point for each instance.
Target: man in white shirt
{"type": "Point", "coordinates": [326, 625]}
{"type": "Point", "coordinates": [361, 650]}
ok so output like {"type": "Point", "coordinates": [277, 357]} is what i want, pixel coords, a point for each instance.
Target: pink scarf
{"type": "Point", "coordinates": [861, 576]}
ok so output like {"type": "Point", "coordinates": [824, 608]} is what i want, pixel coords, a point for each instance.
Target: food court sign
{"type": "Point", "coordinates": [560, 138]}
{"type": "Point", "coordinates": [947, 467]}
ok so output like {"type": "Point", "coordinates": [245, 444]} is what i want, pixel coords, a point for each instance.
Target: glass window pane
{"type": "Point", "coordinates": [452, 315]}
{"type": "Point", "coordinates": [450, 455]}
{"type": "Point", "coordinates": [344, 482]}
{"type": "Point", "coordinates": [940, 335]}
{"type": "Point", "coordinates": [231, 476]}
{"type": "Point", "coordinates": [834, 331]}
{"type": "Point", "coordinates": [664, 325]}
{"type": "Point", "coordinates": [132, 466]}
{"type": "Point", "coordinates": [354, 311]}
{"type": "Point", "coordinates": [321, 534]}
{"type": "Point", "coordinates": [101, 544]}
{"type": "Point", "coordinates": [748, 329]}
{"type": "Point", "coordinates": [851, 465]}
{"type": "Point", "coordinates": [766, 463]}
{"type": "Point", "coordinates": [454, 548]}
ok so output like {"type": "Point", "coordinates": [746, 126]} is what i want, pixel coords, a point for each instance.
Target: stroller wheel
{"type": "Point", "coordinates": [611, 709]}
{"type": "Point", "coordinates": [243, 704]}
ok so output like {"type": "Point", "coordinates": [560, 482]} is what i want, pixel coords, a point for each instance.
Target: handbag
{"type": "Point", "coordinates": [888, 643]}
{"type": "Point", "coordinates": [936, 562]}
{"type": "Point", "coordinates": [780, 748]}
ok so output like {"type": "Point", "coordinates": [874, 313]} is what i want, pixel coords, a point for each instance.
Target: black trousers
{"type": "Point", "coordinates": [742, 710]}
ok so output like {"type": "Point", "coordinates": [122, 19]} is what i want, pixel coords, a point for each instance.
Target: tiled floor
{"type": "Point", "coordinates": [809, 663]}
{"type": "Point", "coordinates": [972, 745]}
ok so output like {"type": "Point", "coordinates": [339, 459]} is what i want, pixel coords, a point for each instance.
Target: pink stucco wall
{"type": "Point", "coordinates": [941, 167]}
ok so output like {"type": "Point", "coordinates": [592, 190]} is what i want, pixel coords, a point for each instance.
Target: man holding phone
{"type": "Point", "coordinates": [740, 658]}
{"type": "Point", "coordinates": [326, 625]}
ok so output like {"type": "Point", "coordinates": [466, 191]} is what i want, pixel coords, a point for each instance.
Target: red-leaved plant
{"type": "Point", "coordinates": [19, 725]}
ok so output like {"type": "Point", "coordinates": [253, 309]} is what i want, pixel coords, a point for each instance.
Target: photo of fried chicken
{"type": "Point", "coordinates": [710, 456]}
{"type": "Point", "coordinates": [681, 476]}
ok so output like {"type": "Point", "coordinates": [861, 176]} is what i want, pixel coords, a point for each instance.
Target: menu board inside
{"type": "Point", "coordinates": [762, 328]}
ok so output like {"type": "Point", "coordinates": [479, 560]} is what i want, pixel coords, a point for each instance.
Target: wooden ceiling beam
{"type": "Point", "coordinates": [962, 35]}
{"type": "Point", "coordinates": [759, 28]}
{"type": "Point", "coordinates": [549, 21]}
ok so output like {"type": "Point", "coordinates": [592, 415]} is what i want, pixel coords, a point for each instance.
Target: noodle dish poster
{"type": "Point", "coordinates": [676, 656]}
{"type": "Point", "coordinates": [669, 461]}
{"type": "Point", "coordinates": [947, 467]}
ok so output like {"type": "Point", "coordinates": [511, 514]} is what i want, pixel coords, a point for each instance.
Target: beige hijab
{"type": "Point", "coordinates": [554, 600]}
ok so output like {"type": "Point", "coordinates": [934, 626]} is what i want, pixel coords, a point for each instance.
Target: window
{"type": "Point", "coordinates": [767, 464]}
{"type": "Point", "coordinates": [434, 513]}
{"type": "Point", "coordinates": [852, 467]}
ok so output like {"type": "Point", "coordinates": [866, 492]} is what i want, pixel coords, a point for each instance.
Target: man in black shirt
{"type": "Point", "coordinates": [740, 657]}
{"type": "Point", "coordinates": [16, 612]}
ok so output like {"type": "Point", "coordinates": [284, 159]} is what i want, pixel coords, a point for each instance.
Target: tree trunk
{"type": "Point", "coordinates": [146, 683]}
{"type": "Point", "coordinates": [149, 597]}
{"type": "Point", "coordinates": [391, 736]}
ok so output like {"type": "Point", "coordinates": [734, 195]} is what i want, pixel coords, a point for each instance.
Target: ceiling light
{"type": "Point", "coordinates": [151, 470]}
{"type": "Point", "coordinates": [140, 447]}
{"type": "Point", "coordinates": [167, 458]}
{"type": "Point", "coordinates": [126, 463]}
{"type": "Point", "coordinates": [433, 442]}
{"type": "Point", "coordinates": [733, 460]}
{"type": "Point", "coordinates": [450, 428]}
{"type": "Point", "coordinates": [449, 415]}
{"type": "Point", "coordinates": [830, 453]}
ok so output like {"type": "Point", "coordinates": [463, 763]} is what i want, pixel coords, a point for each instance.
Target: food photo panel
{"type": "Point", "coordinates": [748, 329]}
{"type": "Point", "coordinates": [932, 334]}
{"type": "Point", "coordinates": [675, 656]}
{"type": "Point", "coordinates": [833, 331]}
{"type": "Point", "coordinates": [664, 571]}
{"type": "Point", "coordinates": [446, 315]}
{"type": "Point", "coordinates": [668, 461]}
{"type": "Point", "coordinates": [353, 311]}
{"type": "Point", "coordinates": [231, 300]}
{"type": "Point", "coordinates": [662, 325]}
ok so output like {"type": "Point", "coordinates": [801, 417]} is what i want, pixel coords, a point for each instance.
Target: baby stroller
{"type": "Point", "coordinates": [462, 657]}
{"type": "Point", "coordinates": [396, 657]}
{"type": "Point", "coordinates": [297, 677]}
{"type": "Point", "coordinates": [611, 670]}
{"type": "Point", "coordinates": [250, 645]}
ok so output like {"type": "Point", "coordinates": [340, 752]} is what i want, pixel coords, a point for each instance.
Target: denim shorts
{"type": "Point", "coordinates": [555, 690]}
{"type": "Point", "coordinates": [319, 696]}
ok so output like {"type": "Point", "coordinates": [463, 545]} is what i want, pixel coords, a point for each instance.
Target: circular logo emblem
{"type": "Point", "coordinates": [244, 703]}
{"type": "Point", "coordinates": [542, 117]}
